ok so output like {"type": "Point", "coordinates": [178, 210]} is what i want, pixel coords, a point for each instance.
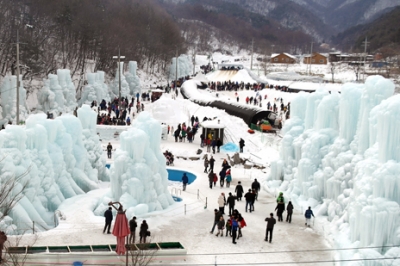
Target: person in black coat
{"type": "Point", "coordinates": [249, 196]}
{"type": "Point", "coordinates": [270, 227]}
{"type": "Point", "coordinates": [239, 191]}
{"type": "Point", "coordinates": [219, 144]}
{"type": "Point", "coordinates": [185, 181]}
{"type": "Point", "coordinates": [211, 161]}
{"type": "Point", "coordinates": [289, 209]}
{"type": "Point", "coordinates": [132, 227]}
{"type": "Point", "coordinates": [241, 144]}
{"type": "Point", "coordinates": [176, 134]}
{"type": "Point", "coordinates": [192, 120]}
{"type": "Point", "coordinates": [280, 208]}
{"type": "Point", "coordinates": [143, 231]}
{"type": "Point", "coordinates": [109, 217]}
{"type": "Point", "coordinates": [256, 187]}
{"type": "Point", "coordinates": [222, 175]}
{"type": "Point", "coordinates": [231, 203]}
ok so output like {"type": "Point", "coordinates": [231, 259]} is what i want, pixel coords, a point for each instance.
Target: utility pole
{"type": "Point", "coordinates": [176, 69]}
{"type": "Point", "coordinates": [17, 77]}
{"type": "Point", "coordinates": [365, 54]}
{"type": "Point", "coordinates": [309, 60]}
{"type": "Point", "coordinates": [252, 51]}
{"type": "Point", "coordinates": [18, 74]}
{"type": "Point", "coordinates": [119, 57]}
{"type": "Point", "coordinates": [194, 59]}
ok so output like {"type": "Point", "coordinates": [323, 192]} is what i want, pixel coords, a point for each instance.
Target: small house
{"type": "Point", "coordinates": [213, 129]}
{"type": "Point", "coordinates": [315, 59]}
{"type": "Point", "coordinates": [283, 58]}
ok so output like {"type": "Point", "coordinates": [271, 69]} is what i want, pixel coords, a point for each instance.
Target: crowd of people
{"type": "Point", "coordinates": [109, 217]}
{"type": "Point", "coordinates": [235, 86]}
{"type": "Point", "coordinates": [184, 132]}
{"type": "Point", "coordinates": [118, 113]}
{"type": "Point", "coordinates": [206, 68]}
{"type": "Point", "coordinates": [235, 221]}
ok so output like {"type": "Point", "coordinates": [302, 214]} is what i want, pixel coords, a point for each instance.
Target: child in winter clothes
{"type": "Point", "coordinates": [228, 227]}
{"type": "Point", "coordinates": [221, 225]}
{"type": "Point", "coordinates": [215, 179]}
{"type": "Point", "coordinates": [228, 178]}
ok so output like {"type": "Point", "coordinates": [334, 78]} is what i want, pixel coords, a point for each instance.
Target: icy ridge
{"type": "Point", "coordinates": [51, 158]}
{"type": "Point", "coordinates": [341, 155]}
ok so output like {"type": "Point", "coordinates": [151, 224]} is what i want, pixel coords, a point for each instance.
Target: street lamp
{"type": "Point", "coordinates": [119, 57]}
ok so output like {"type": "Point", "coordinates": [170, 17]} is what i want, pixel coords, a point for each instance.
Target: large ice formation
{"type": "Point", "coordinates": [68, 89]}
{"type": "Point", "coordinates": [58, 95]}
{"type": "Point", "coordinates": [185, 67]}
{"type": "Point", "coordinates": [54, 159]}
{"type": "Point", "coordinates": [95, 90]}
{"type": "Point", "coordinates": [139, 178]}
{"type": "Point", "coordinates": [8, 99]}
{"type": "Point", "coordinates": [342, 151]}
{"type": "Point", "coordinates": [132, 78]}
{"type": "Point", "coordinates": [125, 90]}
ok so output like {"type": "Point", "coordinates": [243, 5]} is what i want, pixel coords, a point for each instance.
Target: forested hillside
{"type": "Point", "coordinates": [71, 33]}
{"type": "Point", "coordinates": [382, 33]}
{"type": "Point", "coordinates": [232, 23]}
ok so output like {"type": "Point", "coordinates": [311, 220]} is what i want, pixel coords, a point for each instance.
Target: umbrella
{"type": "Point", "coordinates": [121, 230]}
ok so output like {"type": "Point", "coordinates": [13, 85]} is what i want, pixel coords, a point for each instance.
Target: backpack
{"type": "Point", "coordinates": [215, 178]}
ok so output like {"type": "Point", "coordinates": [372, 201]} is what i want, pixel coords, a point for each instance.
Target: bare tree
{"type": "Point", "coordinates": [333, 66]}
{"type": "Point", "coordinates": [141, 254]}
{"type": "Point", "coordinates": [16, 253]}
{"type": "Point", "coordinates": [11, 191]}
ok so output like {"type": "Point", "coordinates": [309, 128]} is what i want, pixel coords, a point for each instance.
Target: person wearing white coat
{"type": "Point", "coordinates": [222, 203]}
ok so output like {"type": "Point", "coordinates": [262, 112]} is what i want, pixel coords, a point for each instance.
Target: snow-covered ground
{"type": "Point", "coordinates": [190, 221]}
{"type": "Point", "coordinates": [192, 228]}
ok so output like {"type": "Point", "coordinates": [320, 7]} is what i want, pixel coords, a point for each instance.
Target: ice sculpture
{"type": "Point", "coordinates": [348, 160]}
{"type": "Point", "coordinates": [68, 89]}
{"type": "Point", "coordinates": [185, 67]}
{"type": "Point", "coordinates": [91, 141]}
{"type": "Point", "coordinates": [57, 96]}
{"type": "Point", "coordinates": [95, 90]}
{"type": "Point", "coordinates": [8, 99]}
{"type": "Point", "coordinates": [132, 79]}
{"type": "Point", "coordinates": [139, 178]}
{"type": "Point", "coordinates": [125, 90]}
{"type": "Point", "coordinates": [53, 158]}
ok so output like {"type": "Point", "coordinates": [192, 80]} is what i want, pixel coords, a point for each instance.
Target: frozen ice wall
{"type": "Point", "coordinates": [58, 95]}
{"type": "Point", "coordinates": [8, 99]}
{"type": "Point", "coordinates": [95, 90]}
{"type": "Point", "coordinates": [125, 90]}
{"type": "Point", "coordinates": [185, 67]}
{"type": "Point", "coordinates": [53, 158]}
{"type": "Point", "coordinates": [91, 141]}
{"type": "Point", "coordinates": [68, 89]}
{"type": "Point", "coordinates": [139, 178]}
{"type": "Point", "coordinates": [342, 157]}
{"type": "Point", "coordinates": [132, 78]}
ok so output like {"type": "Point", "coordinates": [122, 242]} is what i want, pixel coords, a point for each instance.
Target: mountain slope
{"type": "Point", "coordinates": [381, 32]}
